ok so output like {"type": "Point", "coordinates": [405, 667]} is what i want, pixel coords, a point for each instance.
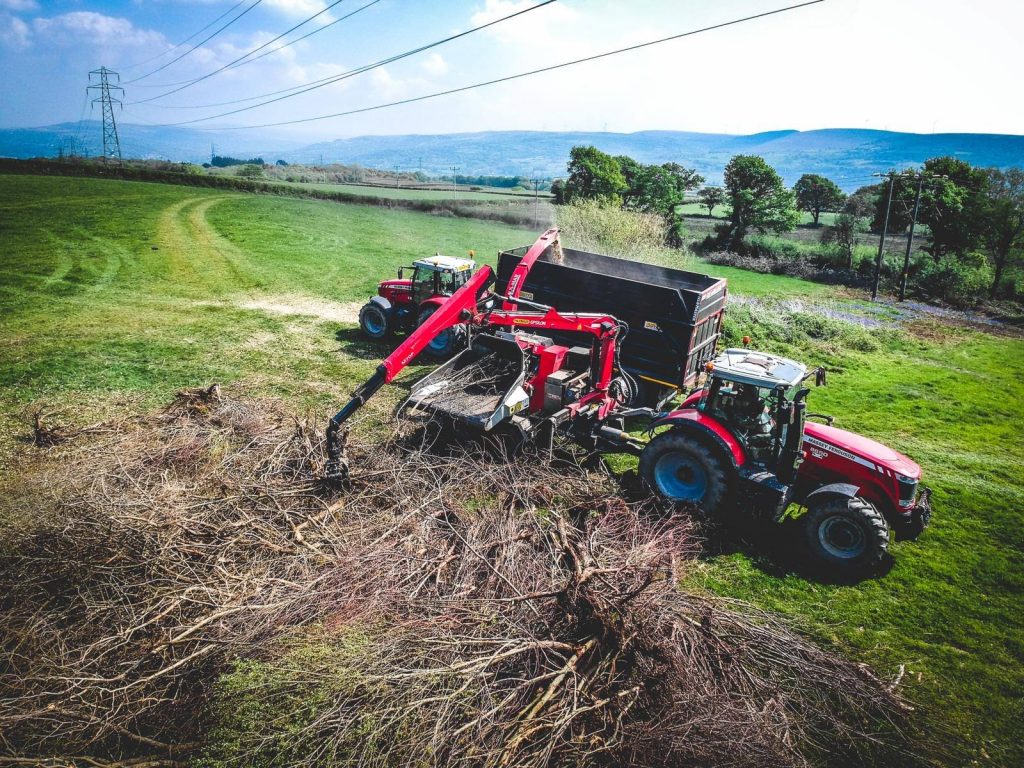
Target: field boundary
{"type": "Point", "coordinates": [473, 209]}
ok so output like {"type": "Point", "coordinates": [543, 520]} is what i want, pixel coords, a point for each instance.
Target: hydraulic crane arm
{"type": "Point", "coordinates": [515, 283]}
{"type": "Point", "coordinates": [459, 307]}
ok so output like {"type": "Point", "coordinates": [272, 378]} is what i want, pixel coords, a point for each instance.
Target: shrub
{"type": "Point", "coordinates": [590, 226]}
{"type": "Point", "coordinates": [959, 282]}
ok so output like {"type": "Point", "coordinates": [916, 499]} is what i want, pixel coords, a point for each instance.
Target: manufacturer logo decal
{"type": "Point", "coordinates": [651, 326]}
{"type": "Point", "coordinates": [526, 295]}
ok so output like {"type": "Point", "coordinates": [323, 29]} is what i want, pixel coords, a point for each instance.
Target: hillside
{"type": "Point", "coordinates": [847, 155]}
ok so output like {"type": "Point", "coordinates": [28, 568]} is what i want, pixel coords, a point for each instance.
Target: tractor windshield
{"type": "Point", "coordinates": [450, 282]}
{"type": "Point", "coordinates": [424, 284]}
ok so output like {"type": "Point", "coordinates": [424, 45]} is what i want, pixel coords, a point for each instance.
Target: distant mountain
{"type": "Point", "coordinates": [847, 155]}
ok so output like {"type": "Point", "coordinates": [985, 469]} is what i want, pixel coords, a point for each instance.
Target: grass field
{"type": "Point", "coordinates": [115, 294]}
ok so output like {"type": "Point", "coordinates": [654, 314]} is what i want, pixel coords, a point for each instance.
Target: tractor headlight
{"type": "Point", "coordinates": [908, 490]}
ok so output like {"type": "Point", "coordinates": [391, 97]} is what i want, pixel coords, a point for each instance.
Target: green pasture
{"type": "Point", "coordinates": [113, 295]}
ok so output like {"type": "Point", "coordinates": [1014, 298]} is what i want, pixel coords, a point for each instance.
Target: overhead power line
{"type": "Point", "coordinates": [507, 78]}
{"type": "Point", "coordinates": [194, 34]}
{"type": "Point", "coordinates": [202, 42]}
{"type": "Point", "coordinates": [257, 58]}
{"type": "Point", "coordinates": [331, 79]}
{"type": "Point", "coordinates": [240, 61]}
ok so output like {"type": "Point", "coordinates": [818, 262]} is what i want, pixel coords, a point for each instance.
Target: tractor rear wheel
{"type": "Point", "coordinates": [374, 321]}
{"type": "Point", "coordinates": [682, 469]}
{"type": "Point", "coordinates": [447, 342]}
{"type": "Point", "coordinates": [846, 537]}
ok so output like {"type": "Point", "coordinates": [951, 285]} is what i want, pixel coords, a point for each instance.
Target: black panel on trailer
{"type": "Point", "coordinates": [674, 316]}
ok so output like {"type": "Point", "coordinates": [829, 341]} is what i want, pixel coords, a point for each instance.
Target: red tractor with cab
{"type": "Point", "coordinates": [743, 436]}
{"type": "Point", "coordinates": [404, 303]}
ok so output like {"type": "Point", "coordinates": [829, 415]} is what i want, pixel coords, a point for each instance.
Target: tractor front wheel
{"type": "Point", "coordinates": [447, 342]}
{"type": "Point", "coordinates": [682, 469]}
{"type": "Point", "coordinates": [846, 537]}
{"type": "Point", "coordinates": [374, 321]}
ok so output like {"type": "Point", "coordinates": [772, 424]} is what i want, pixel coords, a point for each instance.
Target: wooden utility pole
{"type": "Point", "coordinates": [536, 203]}
{"type": "Point", "coordinates": [455, 182]}
{"type": "Point", "coordinates": [885, 231]}
{"type": "Point", "coordinates": [921, 178]}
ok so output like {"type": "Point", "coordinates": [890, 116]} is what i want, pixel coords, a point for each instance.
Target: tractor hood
{"type": "Point", "coordinates": [398, 283]}
{"type": "Point", "coordinates": [861, 449]}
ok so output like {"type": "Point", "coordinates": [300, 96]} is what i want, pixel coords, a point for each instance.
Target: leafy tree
{"type": "Point", "coordinates": [630, 172]}
{"type": "Point", "coordinates": [558, 191]}
{"type": "Point", "coordinates": [660, 188]}
{"type": "Point", "coordinates": [863, 202]}
{"type": "Point", "coordinates": [815, 193]}
{"type": "Point", "coordinates": [1003, 231]}
{"type": "Point", "coordinates": [758, 199]}
{"type": "Point", "coordinates": [594, 175]}
{"type": "Point", "coordinates": [711, 198]}
{"type": "Point", "coordinates": [951, 207]}
{"type": "Point", "coordinates": [844, 234]}
{"type": "Point", "coordinates": [282, 163]}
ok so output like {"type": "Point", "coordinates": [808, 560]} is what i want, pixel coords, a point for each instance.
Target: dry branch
{"type": "Point", "coordinates": [463, 609]}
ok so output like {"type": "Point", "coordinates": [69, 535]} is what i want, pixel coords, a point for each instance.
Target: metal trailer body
{"type": "Point", "coordinates": [674, 317]}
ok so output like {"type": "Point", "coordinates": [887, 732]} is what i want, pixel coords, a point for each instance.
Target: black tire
{"type": "Point", "coordinates": [374, 321]}
{"type": "Point", "coordinates": [682, 469]}
{"type": "Point", "coordinates": [846, 538]}
{"type": "Point", "coordinates": [447, 342]}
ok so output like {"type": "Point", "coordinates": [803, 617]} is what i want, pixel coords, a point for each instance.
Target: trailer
{"type": "Point", "coordinates": [674, 316]}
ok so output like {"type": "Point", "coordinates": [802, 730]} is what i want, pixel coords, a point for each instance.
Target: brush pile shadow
{"type": "Point", "coordinates": [190, 591]}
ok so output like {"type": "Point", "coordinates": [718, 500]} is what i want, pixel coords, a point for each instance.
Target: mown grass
{"type": "Point", "coordinates": [115, 294]}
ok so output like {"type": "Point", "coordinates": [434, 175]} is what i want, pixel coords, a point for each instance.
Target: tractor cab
{"type": "Point", "coordinates": [403, 304]}
{"type": "Point", "coordinates": [759, 398]}
{"type": "Point", "coordinates": [438, 276]}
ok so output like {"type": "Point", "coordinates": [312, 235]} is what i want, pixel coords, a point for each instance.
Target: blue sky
{"type": "Point", "coordinates": [914, 65]}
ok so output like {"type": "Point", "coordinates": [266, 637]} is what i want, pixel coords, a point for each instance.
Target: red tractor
{"type": "Point", "coordinates": [404, 303]}
{"type": "Point", "coordinates": [743, 436]}
{"type": "Point", "coordinates": [740, 439]}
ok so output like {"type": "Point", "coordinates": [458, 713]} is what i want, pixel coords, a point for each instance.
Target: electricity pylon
{"type": "Point", "coordinates": [111, 143]}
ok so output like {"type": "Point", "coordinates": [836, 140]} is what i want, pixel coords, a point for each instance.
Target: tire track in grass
{"type": "Point", "coordinates": [196, 254]}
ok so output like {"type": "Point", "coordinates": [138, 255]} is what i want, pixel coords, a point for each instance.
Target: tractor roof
{"type": "Point", "coordinates": [757, 368]}
{"type": "Point", "coordinates": [441, 263]}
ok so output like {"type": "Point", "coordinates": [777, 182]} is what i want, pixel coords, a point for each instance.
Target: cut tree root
{"type": "Point", "coordinates": [444, 609]}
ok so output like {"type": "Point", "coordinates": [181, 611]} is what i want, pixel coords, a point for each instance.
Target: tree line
{"type": "Point", "coordinates": [972, 217]}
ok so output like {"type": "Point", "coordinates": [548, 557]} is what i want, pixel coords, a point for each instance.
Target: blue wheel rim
{"type": "Point", "coordinates": [841, 538]}
{"type": "Point", "coordinates": [680, 477]}
{"type": "Point", "coordinates": [374, 322]}
{"type": "Point", "coordinates": [441, 342]}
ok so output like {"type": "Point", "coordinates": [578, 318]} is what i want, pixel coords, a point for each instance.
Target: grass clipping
{"type": "Point", "coordinates": [190, 591]}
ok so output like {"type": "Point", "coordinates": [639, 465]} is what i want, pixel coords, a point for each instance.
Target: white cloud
{"type": "Point", "coordinates": [435, 65]}
{"type": "Point", "coordinates": [19, 5]}
{"type": "Point", "coordinates": [300, 8]}
{"type": "Point", "coordinates": [97, 28]}
{"type": "Point", "coordinates": [14, 32]}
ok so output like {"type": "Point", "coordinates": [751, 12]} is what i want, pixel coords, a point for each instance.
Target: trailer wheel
{"type": "Point", "coordinates": [447, 342]}
{"type": "Point", "coordinates": [846, 537]}
{"type": "Point", "coordinates": [374, 321]}
{"type": "Point", "coordinates": [682, 469]}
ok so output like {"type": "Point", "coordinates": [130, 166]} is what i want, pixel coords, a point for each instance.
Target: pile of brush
{"type": "Point", "coordinates": [191, 590]}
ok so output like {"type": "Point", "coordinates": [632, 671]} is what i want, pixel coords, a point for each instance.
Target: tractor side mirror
{"type": "Point", "coordinates": [820, 377]}
{"type": "Point", "coordinates": [401, 272]}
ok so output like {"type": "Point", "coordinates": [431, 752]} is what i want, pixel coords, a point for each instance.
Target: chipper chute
{"type": "Point", "coordinates": [481, 387]}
